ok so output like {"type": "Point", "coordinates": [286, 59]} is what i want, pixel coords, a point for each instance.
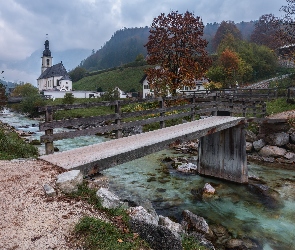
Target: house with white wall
{"type": "Point", "coordinates": [53, 94]}
{"type": "Point", "coordinates": [147, 92]}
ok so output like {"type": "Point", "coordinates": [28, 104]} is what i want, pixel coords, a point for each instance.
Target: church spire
{"type": "Point", "coordinates": [47, 51]}
{"type": "Point", "coordinates": [46, 58]}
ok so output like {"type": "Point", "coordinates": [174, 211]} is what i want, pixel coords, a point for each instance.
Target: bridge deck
{"type": "Point", "coordinates": [97, 157]}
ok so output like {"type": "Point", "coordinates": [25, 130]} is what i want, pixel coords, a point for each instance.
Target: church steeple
{"type": "Point", "coordinates": [46, 58]}
{"type": "Point", "coordinates": [47, 51]}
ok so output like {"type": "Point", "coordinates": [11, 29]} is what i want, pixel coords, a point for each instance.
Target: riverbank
{"type": "Point", "coordinates": [243, 215]}
{"type": "Point", "coordinates": [30, 219]}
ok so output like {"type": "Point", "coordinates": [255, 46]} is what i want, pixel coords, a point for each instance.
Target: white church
{"type": "Point", "coordinates": [53, 77]}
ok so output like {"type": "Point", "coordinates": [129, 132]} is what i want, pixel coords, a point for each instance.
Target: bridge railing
{"type": "Point", "coordinates": [187, 106]}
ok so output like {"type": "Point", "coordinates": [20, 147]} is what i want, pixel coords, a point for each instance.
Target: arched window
{"type": "Point", "coordinates": [47, 62]}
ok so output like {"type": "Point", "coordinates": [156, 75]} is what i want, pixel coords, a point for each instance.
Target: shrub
{"type": "Point", "coordinates": [12, 147]}
{"type": "Point", "coordinates": [68, 98]}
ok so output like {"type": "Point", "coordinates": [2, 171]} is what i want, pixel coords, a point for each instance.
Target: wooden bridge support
{"type": "Point", "coordinates": [49, 148]}
{"type": "Point", "coordinates": [223, 155]}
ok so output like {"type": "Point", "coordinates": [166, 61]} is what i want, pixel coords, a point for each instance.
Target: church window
{"type": "Point", "coordinates": [47, 62]}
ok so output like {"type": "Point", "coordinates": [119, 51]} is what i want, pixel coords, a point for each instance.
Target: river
{"type": "Point", "coordinates": [242, 212]}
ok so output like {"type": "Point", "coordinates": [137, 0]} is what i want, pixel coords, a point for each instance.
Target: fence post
{"type": "Point", "coordinates": [161, 106]}
{"type": "Point", "coordinates": [193, 109]}
{"type": "Point", "coordinates": [231, 105]}
{"type": "Point", "coordinates": [263, 109]}
{"type": "Point", "coordinates": [244, 108]}
{"type": "Point", "coordinates": [214, 106]}
{"type": "Point", "coordinates": [118, 119]}
{"type": "Point", "coordinates": [254, 109]}
{"type": "Point", "coordinates": [49, 149]}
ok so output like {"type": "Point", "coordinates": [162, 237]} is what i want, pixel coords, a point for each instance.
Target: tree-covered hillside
{"type": "Point", "coordinates": [123, 47]}
{"type": "Point", "coordinates": [126, 44]}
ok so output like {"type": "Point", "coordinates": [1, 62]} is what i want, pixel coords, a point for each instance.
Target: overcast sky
{"type": "Point", "coordinates": [90, 23]}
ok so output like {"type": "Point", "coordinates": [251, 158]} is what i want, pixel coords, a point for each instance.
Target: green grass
{"type": "Point", "coordinates": [12, 147]}
{"type": "Point", "coordinates": [124, 78]}
{"type": "Point", "coordinates": [279, 105]}
{"type": "Point", "coordinates": [101, 235]}
{"type": "Point", "coordinates": [98, 234]}
{"type": "Point", "coordinates": [189, 243]}
{"type": "Point", "coordinates": [78, 113]}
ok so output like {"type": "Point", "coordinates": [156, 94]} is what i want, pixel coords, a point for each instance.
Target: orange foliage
{"type": "Point", "coordinates": [177, 48]}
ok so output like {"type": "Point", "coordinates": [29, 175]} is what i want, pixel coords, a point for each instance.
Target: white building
{"type": "Point", "coordinates": [147, 92]}
{"type": "Point", "coordinates": [53, 77]}
{"type": "Point", "coordinates": [53, 94]}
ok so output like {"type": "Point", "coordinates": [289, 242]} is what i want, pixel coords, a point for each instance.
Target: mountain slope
{"type": "Point", "coordinates": [126, 44]}
{"type": "Point", "coordinates": [122, 48]}
{"type": "Point", "coordinates": [126, 79]}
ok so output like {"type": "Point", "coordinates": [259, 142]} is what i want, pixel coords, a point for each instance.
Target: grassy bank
{"type": "Point", "coordinates": [126, 79]}
{"type": "Point", "coordinates": [96, 234]}
{"type": "Point", "coordinates": [12, 146]}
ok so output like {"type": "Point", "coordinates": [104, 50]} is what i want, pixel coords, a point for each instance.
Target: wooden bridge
{"type": "Point", "coordinates": [222, 150]}
{"type": "Point", "coordinates": [222, 147]}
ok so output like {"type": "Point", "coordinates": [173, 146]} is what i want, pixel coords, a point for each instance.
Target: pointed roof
{"type": "Point", "coordinates": [55, 70]}
{"type": "Point", "coordinates": [46, 51]}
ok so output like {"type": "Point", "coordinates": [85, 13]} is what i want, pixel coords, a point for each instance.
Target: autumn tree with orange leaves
{"type": "Point", "coordinates": [229, 61]}
{"type": "Point", "coordinates": [177, 51]}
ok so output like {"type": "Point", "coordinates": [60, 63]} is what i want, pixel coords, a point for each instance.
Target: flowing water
{"type": "Point", "coordinates": [234, 206]}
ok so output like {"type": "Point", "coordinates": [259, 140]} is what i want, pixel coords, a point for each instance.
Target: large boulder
{"type": "Point", "coordinates": [258, 144]}
{"type": "Point", "coordinates": [250, 136]}
{"type": "Point", "coordinates": [68, 182]}
{"type": "Point", "coordinates": [292, 137]}
{"type": "Point", "coordinates": [192, 222]}
{"type": "Point", "coordinates": [140, 214]}
{"type": "Point", "coordinates": [108, 199]}
{"type": "Point", "coordinates": [290, 156]}
{"type": "Point", "coordinates": [158, 237]}
{"type": "Point", "coordinates": [272, 151]}
{"type": "Point", "coordinates": [277, 139]}
{"type": "Point", "coordinates": [208, 189]}
{"type": "Point", "coordinates": [202, 240]}
{"type": "Point", "coordinates": [187, 168]}
{"type": "Point", "coordinates": [174, 227]}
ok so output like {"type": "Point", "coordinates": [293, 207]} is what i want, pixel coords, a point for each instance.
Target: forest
{"type": "Point", "coordinates": [126, 44]}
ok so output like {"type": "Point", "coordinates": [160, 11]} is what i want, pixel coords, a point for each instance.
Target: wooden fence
{"type": "Point", "coordinates": [190, 107]}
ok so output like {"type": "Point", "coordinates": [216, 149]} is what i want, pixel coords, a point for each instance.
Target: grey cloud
{"type": "Point", "coordinates": [89, 24]}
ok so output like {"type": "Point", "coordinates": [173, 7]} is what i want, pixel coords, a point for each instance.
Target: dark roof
{"type": "Point", "coordinates": [143, 78]}
{"type": "Point", "coordinates": [66, 77]}
{"type": "Point", "coordinates": [55, 70]}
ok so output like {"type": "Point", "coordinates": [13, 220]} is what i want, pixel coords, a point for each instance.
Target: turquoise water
{"type": "Point", "coordinates": [234, 206]}
{"type": "Point", "coordinates": [21, 122]}
{"type": "Point", "coordinates": [242, 212]}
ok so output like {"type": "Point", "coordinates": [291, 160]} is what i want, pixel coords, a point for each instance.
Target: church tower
{"type": "Point", "coordinates": [46, 58]}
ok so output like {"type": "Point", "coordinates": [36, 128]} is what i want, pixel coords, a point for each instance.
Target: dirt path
{"type": "Point", "coordinates": [29, 219]}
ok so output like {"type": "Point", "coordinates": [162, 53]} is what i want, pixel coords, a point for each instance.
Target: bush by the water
{"type": "Point", "coordinates": [13, 147]}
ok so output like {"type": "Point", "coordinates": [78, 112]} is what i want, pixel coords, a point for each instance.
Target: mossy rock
{"type": "Point", "coordinates": [35, 142]}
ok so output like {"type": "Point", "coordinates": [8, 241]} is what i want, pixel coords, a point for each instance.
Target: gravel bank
{"type": "Point", "coordinates": [29, 219]}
